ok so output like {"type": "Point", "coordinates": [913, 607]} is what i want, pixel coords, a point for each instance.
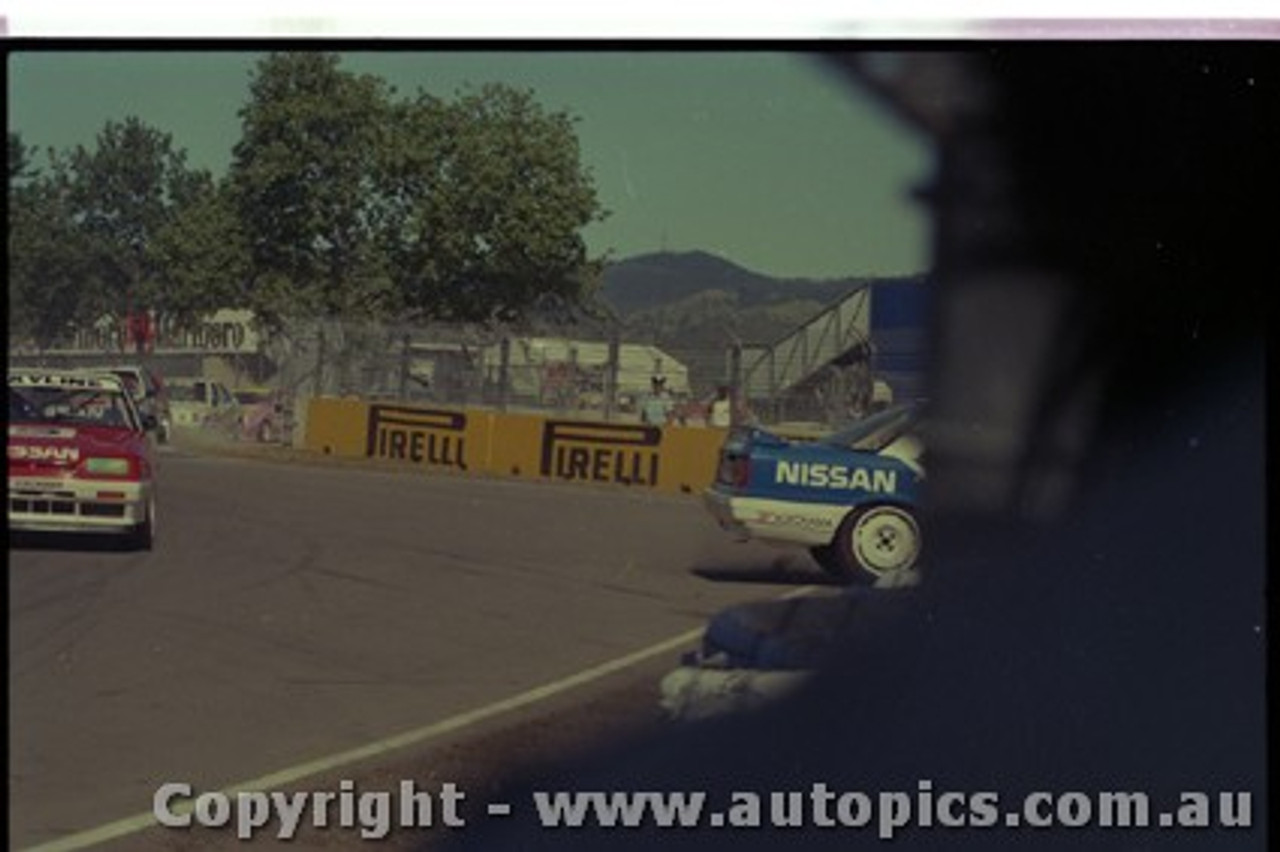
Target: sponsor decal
{"type": "Point", "coordinates": [821, 475]}
{"type": "Point", "coordinates": [225, 331]}
{"type": "Point", "coordinates": [37, 453]}
{"type": "Point", "coordinates": [41, 432]}
{"type": "Point", "coordinates": [56, 380]}
{"type": "Point", "coordinates": [211, 334]}
{"type": "Point", "coordinates": [420, 436]}
{"type": "Point", "coordinates": [816, 523]}
{"type": "Point", "coordinates": [624, 454]}
{"type": "Point", "coordinates": [28, 486]}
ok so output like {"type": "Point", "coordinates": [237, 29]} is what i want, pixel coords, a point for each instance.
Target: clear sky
{"type": "Point", "coordinates": [770, 160]}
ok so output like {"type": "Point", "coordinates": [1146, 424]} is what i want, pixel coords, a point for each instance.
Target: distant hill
{"type": "Point", "coordinates": [694, 305]}
{"type": "Point", "coordinates": [652, 280]}
{"type": "Point", "coordinates": [695, 296]}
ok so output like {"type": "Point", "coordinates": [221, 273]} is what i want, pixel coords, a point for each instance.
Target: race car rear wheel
{"type": "Point", "coordinates": [873, 542]}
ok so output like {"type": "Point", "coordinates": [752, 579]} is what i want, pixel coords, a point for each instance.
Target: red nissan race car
{"type": "Point", "coordinates": [80, 459]}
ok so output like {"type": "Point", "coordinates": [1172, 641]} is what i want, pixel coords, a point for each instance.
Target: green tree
{"type": "Point", "coordinates": [20, 165]}
{"type": "Point", "coordinates": [303, 177]}
{"type": "Point", "coordinates": [359, 204]}
{"type": "Point", "coordinates": [200, 258]}
{"type": "Point", "coordinates": [123, 194]}
{"type": "Point", "coordinates": [489, 198]}
{"type": "Point", "coordinates": [49, 258]}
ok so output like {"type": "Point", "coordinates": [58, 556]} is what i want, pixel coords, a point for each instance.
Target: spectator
{"type": "Point", "coordinates": [721, 412]}
{"type": "Point", "coordinates": [682, 408]}
{"type": "Point", "coordinates": [656, 410]}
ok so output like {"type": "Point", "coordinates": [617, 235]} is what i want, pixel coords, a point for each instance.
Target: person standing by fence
{"type": "Point", "coordinates": [720, 413]}
{"type": "Point", "coordinates": [657, 406]}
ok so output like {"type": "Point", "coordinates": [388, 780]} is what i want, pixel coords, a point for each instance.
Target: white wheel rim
{"type": "Point", "coordinates": [886, 539]}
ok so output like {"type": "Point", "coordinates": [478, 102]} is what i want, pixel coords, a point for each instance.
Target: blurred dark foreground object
{"type": "Point", "coordinates": [1092, 617]}
{"type": "Point", "coordinates": [1121, 651]}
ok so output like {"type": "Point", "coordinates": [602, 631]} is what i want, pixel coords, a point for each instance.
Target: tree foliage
{"type": "Point", "coordinates": [360, 203]}
{"type": "Point", "coordinates": [20, 165]}
{"type": "Point", "coordinates": [83, 235]}
{"type": "Point", "coordinates": [490, 202]}
{"type": "Point", "coordinates": [123, 193]}
{"type": "Point", "coordinates": [48, 257]}
{"type": "Point", "coordinates": [303, 184]}
{"type": "Point", "coordinates": [342, 200]}
{"type": "Point", "coordinates": [201, 259]}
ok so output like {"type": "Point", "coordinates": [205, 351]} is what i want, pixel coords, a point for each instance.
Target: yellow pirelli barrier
{"type": "Point", "coordinates": [690, 456]}
{"type": "Point", "coordinates": [673, 459]}
{"type": "Point", "coordinates": [438, 438]}
{"type": "Point", "coordinates": [337, 427]}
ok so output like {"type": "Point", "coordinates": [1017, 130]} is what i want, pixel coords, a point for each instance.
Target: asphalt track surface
{"type": "Point", "coordinates": [295, 611]}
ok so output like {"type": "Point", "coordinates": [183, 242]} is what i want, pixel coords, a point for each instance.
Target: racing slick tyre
{"type": "Point", "coordinates": [143, 536]}
{"type": "Point", "coordinates": [871, 543]}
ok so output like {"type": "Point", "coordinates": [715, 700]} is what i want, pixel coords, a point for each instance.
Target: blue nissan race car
{"type": "Point", "coordinates": [852, 497]}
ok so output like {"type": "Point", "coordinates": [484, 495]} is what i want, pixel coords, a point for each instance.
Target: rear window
{"type": "Point", "coordinates": [88, 407]}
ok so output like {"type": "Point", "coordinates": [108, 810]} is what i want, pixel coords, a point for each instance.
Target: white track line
{"type": "Point", "coordinates": [285, 777]}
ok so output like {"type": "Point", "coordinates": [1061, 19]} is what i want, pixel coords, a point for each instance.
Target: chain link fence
{"type": "Point", "coordinates": [595, 373]}
{"type": "Point", "coordinates": [588, 372]}
{"type": "Point", "coordinates": [823, 376]}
